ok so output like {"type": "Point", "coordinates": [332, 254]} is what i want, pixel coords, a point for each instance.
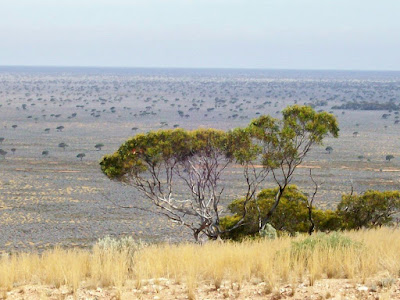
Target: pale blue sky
{"type": "Point", "coordinates": [289, 34]}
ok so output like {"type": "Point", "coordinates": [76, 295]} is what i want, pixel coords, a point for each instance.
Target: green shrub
{"type": "Point", "coordinates": [373, 208]}
{"type": "Point", "coordinates": [333, 241]}
{"type": "Point", "coordinates": [327, 220]}
{"type": "Point", "coordinates": [291, 215]}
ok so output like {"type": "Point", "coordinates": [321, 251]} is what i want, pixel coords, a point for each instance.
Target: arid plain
{"type": "Point", "coordinates": [50, 196]}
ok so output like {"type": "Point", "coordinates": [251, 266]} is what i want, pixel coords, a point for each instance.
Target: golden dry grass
{"type": "Point", "coordinates": [271, 261]}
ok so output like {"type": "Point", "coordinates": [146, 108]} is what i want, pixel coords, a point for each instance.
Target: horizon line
{"type": "Point", "coordinates": [197, 68]}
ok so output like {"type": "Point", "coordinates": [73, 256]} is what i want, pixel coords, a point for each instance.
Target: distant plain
{"type": "Point", "coordinates": [59, 199]}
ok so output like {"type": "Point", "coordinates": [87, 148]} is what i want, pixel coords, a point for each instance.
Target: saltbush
{"type": "Point", "coordinates": [125, 244]}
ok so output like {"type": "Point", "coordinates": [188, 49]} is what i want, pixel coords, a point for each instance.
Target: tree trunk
{"type": "Point", "coordinates": [310, 218]}
{"type": "Point", "coordinates": [273, 208]}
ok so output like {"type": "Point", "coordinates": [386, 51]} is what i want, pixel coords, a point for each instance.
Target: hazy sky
{"type": "Point", "coordinates": [290, 34]}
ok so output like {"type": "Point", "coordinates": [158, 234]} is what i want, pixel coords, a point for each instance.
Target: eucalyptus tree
{"type": "Point", "coordinates": [81, 155]}
{"type": "Point", "coordinates": [151, 161]}
{"type": "Point", "coordinates": [287, 142]}
{"type": "Point", "coordinates": [62, 145]}
{"type": "Point", "coordinates": [99, 146]}
{"type": "Point", "coordinates": [158, 163]}
{"type": "Point", "coordinates": [371, 209]}
{"type": "Point", "coordinates": [389, 157]}
{"type": "Point", "coordinates": [3, 153]}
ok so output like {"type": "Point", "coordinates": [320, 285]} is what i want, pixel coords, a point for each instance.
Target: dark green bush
{"type": "Point", "coordinates": [290, 216]}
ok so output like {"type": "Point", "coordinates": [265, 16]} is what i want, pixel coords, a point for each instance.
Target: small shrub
{"type": "Point", "coordinates": [269, 232]}
{"type": "Point", "coordinates": [128, 244]}
{"type": "Point", "coordinates": [334, 241]}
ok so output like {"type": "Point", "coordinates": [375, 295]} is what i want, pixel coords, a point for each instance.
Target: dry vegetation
{"type": "Point", "coordinates": [367, 262]}
{"type": "Point", "coordinates": [49, 196]}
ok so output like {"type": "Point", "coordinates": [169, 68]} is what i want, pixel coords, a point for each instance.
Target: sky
{"type": "Point", "coordinates": [272, 34]}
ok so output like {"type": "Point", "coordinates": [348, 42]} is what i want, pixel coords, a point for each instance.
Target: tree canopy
{"type": "Point", "coordinates": [373, 208]}
{"type": "Point", "coordinates": [158, 162]}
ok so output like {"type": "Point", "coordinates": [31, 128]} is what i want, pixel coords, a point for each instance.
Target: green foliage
{"type": "Point", "coordinates": [241, 147]}
{"type": "Point", "coordinates": [373, 208]}
{"type": "Point", "coordinates": [327, 220]}
{"type": "Point", "coordinates": [157, 147]}
{"type": "Point", "coordinates": [291, 214]}
{"type": "Point", "coordinates": [288, 141]}
{"type": "Point", "coordinates": [363, 105]}
{"type": "Point", "coordinates": [276, 144]}
{"type": "Point", "coordinates": [300, 119]}
{"type": "Point", "coordinates": [332, 241]}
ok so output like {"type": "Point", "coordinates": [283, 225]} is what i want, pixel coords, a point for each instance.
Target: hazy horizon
{"type": "Point", "coordinates": [238, 34]}
{"type": "Point", "coordinates": [192, 68]}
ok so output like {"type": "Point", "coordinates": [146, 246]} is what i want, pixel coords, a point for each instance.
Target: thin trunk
{"type": "Point", "coordinates": [278, 197]}
{"type": "Point", "coordinates": [310, 218]}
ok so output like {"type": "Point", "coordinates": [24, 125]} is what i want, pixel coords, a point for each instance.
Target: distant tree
{"type": "Point", "coordinates": [45, 153]}
{"type": "Point", "coordinates": [329, 149]}
{"type": "Point", "coordinates": [3, 153]}
{"type": "Point", "coordinates": [14, 126]}
{"type": "Point", "coordinates": [62, 145]}
{"type": "Point", "coordinates": [47, 130]}
{"type": "Point", "coordinates": [60, 128]}
{"type": "Point", "coordinates": [81, 155]}
{"type": "Point", "coordinates": [389, 157]}
{"type": "Point", "coordinates": [1, 140]}
{"type": "Point", "coordinates": [360, 157]}
{"type": "Point", "coordinates": [355, 133]}
{"type": "Point", "coordinates": [99, 146]}
{"type": "Point", "coordinates": [13, 150]}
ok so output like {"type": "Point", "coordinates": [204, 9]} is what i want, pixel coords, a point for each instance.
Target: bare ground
{"type": "Point", "coordinates": [162, 288]}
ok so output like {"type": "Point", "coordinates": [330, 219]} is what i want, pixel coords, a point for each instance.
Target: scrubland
{"type": "Point", "coordinates": [49, 196]}
{"type": "Point", "coordinates": [351, 264]}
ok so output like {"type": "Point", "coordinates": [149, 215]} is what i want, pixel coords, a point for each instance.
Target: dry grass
{"type": "Point", "coordinates": [274, 262]}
